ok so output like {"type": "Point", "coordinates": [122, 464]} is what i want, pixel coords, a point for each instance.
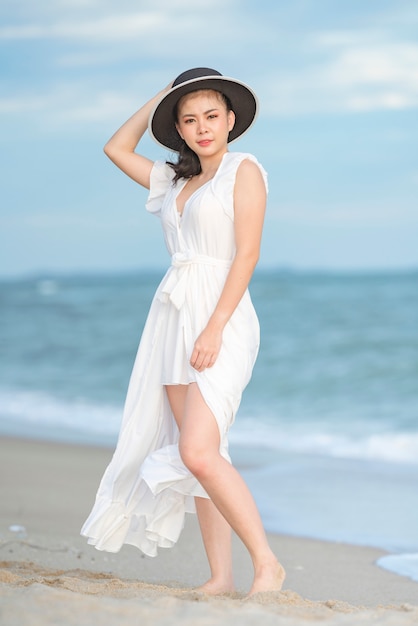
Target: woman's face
{"type": "Point", "coordinates": [204, 122]}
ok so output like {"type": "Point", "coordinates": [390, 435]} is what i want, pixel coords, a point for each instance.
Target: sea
{"type": "Point", "coordinates": [327, 432]}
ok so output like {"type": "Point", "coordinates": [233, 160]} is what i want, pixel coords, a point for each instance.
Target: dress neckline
{"type": "Point", "coordinates": [202, 186]}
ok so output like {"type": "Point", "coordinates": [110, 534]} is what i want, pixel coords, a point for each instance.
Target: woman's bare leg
{"type": "Point", "coordinates": [199, 448]}
{"type": "Point", "coordinates": [216, 532]}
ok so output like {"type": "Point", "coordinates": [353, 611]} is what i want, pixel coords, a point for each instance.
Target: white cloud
{"type": "Point", "coordinates": [104, 106]}
{"type": "Point", "coordinates": [23, 104]}
{"type": "Point", "coordinates": [356, 77]}
{"type": "Point", "coordinates": [89, 20]}
{"type": "Point", "coordinates": [112, 27]}
{"type": "Point", "coordinates": [391, 63]}
{"type": "Point", "coordinates": [70, 105]}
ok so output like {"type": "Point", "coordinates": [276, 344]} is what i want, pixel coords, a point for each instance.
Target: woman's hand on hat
{"type": "Point", "coordinates": [159, 95]}
{"type": "Point", "coordinates": [167, 88]}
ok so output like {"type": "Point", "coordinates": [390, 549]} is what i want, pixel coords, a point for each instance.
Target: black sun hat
{"type": "Point", "coordinates": [161, 124]}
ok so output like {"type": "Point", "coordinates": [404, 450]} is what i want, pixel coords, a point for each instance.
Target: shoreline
{"type": "Point", "coordinates": [47, 490]}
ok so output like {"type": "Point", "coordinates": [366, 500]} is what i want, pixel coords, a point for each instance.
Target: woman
{"type": "Point", "coordinates": [201, 337]}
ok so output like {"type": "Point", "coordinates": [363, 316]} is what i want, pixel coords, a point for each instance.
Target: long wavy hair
{"type": "Point", "coordinates": [188, 163]}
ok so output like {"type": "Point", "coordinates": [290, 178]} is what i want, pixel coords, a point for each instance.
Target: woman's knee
{"type": "Point", "coordinates": [197, 461]}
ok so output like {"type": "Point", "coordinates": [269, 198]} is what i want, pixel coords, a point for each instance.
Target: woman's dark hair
{"type": "Point", "coordinates": [188, 163]}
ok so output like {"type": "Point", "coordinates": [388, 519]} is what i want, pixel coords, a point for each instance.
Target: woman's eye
{"type": "Point", "coordinates": [212, 116]}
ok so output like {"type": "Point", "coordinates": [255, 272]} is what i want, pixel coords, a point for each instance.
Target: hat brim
{"type": "Point", "coordinates": [161, 123]}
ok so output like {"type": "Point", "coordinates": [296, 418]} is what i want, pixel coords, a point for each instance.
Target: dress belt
{"type": "Point", "coordinates": [175, 285]}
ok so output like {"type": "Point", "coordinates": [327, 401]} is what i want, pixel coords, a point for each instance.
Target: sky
{"type": "Point", "coordinates": [337, 129]}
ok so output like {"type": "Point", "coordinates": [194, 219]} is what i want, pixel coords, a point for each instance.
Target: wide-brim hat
{"type": "Point", "coordinates": [161, 124]}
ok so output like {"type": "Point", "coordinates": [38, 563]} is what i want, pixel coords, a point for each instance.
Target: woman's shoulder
{"type": "Point", "coordinates": [223, 184]}
{"type": "Point", "coordinates": [234, 160]}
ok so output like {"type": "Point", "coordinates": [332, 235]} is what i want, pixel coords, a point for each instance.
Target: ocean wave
{"type": "Point", "coordinates": [390, 446]}
{"type": "Point", "coordinates": [40, 414]}
{"type": "Point", "coordinates": [37, 413]}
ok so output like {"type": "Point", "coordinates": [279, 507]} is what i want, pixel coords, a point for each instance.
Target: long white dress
{"type": "Point", "coordinates": [146, 489]}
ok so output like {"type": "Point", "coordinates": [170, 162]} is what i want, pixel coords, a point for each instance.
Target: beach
{"type": "Point", "coordinates": [49, 575]}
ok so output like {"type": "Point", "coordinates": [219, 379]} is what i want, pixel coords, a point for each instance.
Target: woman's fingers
{"type": "Point", "coordinates": [206, 349]}
{"type": "Point", "coordinates": [201, 360]}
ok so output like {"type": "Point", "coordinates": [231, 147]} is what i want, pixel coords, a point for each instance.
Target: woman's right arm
{"type": "Point", "coordinates": [121, 146]}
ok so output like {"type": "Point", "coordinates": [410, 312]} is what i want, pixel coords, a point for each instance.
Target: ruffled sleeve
{"type": "Point", "coordinates": [223, 185]}
{"type": "Point", "coordinates": [160, 182]}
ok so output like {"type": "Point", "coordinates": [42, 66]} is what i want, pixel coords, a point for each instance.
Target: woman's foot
{"type": "Point", "coordinates": [215, 587]}
{"type": "Point", "coordinates": [268, 577]}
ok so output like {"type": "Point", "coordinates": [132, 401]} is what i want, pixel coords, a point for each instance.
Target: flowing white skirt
{"type": "Point", "coordinates": [146, 489]}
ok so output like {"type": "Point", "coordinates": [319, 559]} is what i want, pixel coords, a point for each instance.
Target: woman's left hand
{"type": "Point", "coordinates": [206, 349]}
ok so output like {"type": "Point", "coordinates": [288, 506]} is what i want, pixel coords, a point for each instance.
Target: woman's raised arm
{"type": "Point", "coordinates": [121, 146]}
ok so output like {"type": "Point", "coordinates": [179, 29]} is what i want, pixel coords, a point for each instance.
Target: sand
{"type": "Point", "coordinates": [49, 575]}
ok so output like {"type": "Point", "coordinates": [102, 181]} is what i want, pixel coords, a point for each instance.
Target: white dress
{"type": "Point", "coordinates": [146, 489]}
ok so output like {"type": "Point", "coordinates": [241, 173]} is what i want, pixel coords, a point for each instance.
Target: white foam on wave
{"type": "Point", "coordinates": [390, 446]}
{"type": "Point", "coordinates": [402, 564]}
{"type": "Point", "coordinates": [36, 413]}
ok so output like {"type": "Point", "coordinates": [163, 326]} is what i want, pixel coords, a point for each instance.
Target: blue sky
{"type": "Point", "coordinates": [337, 130]}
